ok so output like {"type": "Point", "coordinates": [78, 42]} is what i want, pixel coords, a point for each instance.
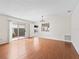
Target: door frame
{"type": "Point", "coordinates": [10, 29]}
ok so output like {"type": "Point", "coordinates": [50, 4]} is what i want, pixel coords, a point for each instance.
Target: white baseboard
{"type": "Point", "coordinates": [75, 48]}
{"type": "Point", "coordinates": [3, 43]}
{"type": "Point", "coordinates": [56, 39]}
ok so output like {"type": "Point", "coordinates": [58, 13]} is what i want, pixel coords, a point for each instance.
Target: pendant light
{"type": "Point", "coordinates": [42, 19]}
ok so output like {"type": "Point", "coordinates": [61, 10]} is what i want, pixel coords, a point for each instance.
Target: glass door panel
{"type": "Point", "coordinates": [21, 31]}
{"type": "Point", "coordinates": [14, 30]}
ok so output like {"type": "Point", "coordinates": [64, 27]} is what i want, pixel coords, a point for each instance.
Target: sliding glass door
{"type": "Point", "coordinates": [18, 30]}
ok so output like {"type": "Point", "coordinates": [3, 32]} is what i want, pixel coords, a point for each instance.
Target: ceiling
{"type": "Point", "coordinates": [34, 9]}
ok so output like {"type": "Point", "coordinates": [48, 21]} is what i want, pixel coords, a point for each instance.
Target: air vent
{"type": "Point", "coordinates": [67, 37]}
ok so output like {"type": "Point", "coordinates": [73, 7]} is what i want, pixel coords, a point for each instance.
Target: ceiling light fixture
{"type": "Point", "coordinates": [42, 19]}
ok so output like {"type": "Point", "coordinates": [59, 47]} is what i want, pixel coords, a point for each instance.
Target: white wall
{"type": "Point", "coordinates": [3, 29]}
{"type": "Point", "coordinates": [59, 27]}
{"type": "Point", "coordinates": [27, 27]}
{"type": "Point", "coordinates": [10, 31]}
{"type": "Point", "coordinates": [75, 28]}
{"type": "Point", "coordinates": [31, 30]}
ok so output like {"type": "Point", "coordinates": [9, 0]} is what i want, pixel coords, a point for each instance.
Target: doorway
{"type": "Point", "coordinates": [16, 31]}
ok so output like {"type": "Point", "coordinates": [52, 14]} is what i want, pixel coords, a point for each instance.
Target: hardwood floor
{"type": "Point", "coordinates": [38, 48]}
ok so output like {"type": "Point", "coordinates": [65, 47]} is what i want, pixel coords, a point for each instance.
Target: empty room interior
{"type": "Point", "coordinates": [39, 29]}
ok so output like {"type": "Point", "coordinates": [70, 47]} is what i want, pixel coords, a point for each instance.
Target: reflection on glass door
{"type": "Point", "coordinates": [15, 32]}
